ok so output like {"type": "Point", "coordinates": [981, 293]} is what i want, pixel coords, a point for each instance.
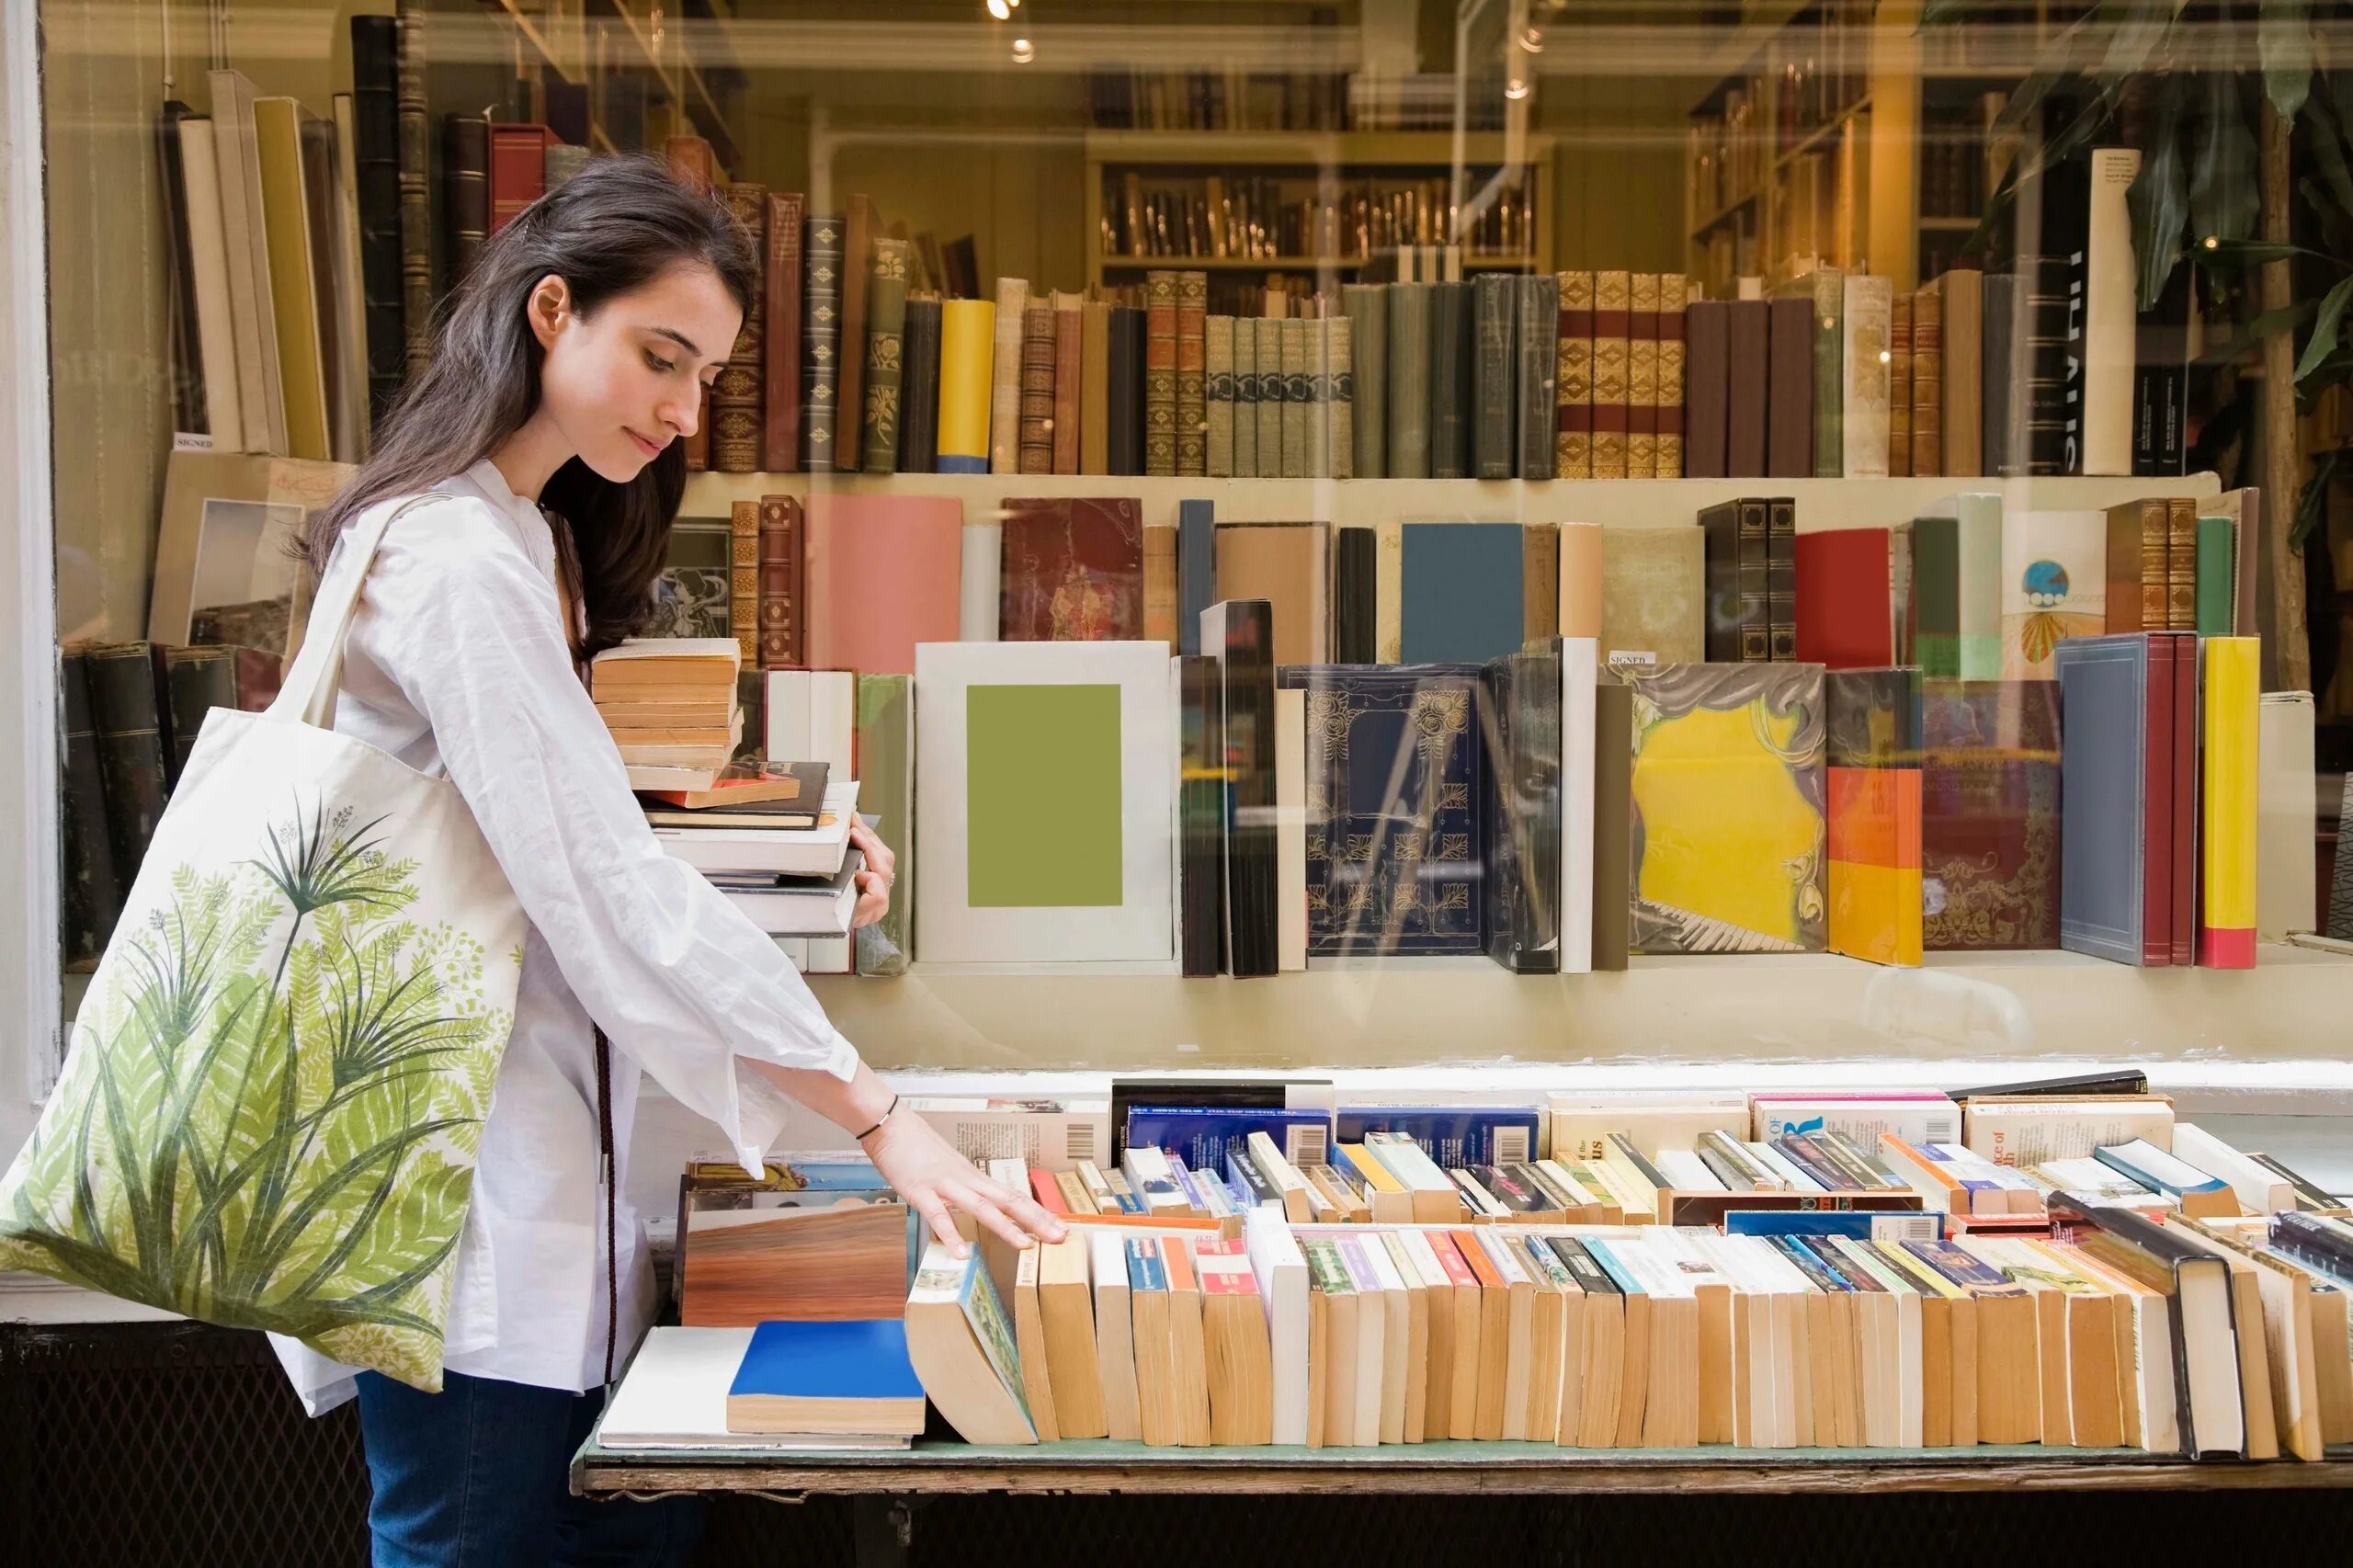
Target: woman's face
{"type": "Point", "coordinates": [623, 383]}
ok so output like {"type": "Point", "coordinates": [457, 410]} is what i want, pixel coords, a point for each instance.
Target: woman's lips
{"type": "Point", "coordinates": [648, 448]}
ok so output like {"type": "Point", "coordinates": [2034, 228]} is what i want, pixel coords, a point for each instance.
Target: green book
{"type": "Point", "coordinates": [1367, 308]}
{"type": "Point", "coordinates": [1956, 608]}
{"type": "Point", "coordinates": [1298, 415]}
{"type": "Point", "coordinates": [2217, 573]}
{"type": "Point", "coordinates": [1829, 373]}
{"type": "Point", "coordinates": [886, 321]}
{"type": "Point", "coordinates": [887, 801]}
{"type": "Point", "coordinates": [1408, 387]}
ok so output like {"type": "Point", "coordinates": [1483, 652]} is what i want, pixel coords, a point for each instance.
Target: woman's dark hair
{"type": "Point", "coordinates": [611, 228]}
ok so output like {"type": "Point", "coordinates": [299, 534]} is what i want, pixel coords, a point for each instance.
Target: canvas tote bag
{"type": "Point", "coordinates": [269, 1114]}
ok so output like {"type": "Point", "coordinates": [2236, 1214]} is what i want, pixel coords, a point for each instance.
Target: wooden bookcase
{"type": "Point", "coordinates": [1324, 163]}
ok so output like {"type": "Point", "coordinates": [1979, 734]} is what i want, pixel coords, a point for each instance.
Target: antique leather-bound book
{"type": "Point", "coordinates": [1494, 317]}
{"type": "Point", "coordinates": [1928, 384]}
{"type": "Point", "coordinates": [1788, 377]}
{"type": "Point", "coordinates": [518, 170]}
{"type": "Point", "coordinates": [1573, 434]}
{"type": "Point", "coordinates": [1612, 305]}
{"type": "Point", "coordinates": [1781, 577]}
{"type": "Point", "coordinates": [1220, 394]}
{"type": "Point", "coordinates": [782, 624]}
{"type": "Point", "coordinates": [1707, 387]}
{"type": "Point", "coordinates": [821, 342]}
{"type": "Point", "coordinates": [1409, 382]}
{"type": "Point", "coordinates": [735, 427]}
{"type": "Point", "coordinates": [1192, 352]}
{"type": "Point", "coordinates": [1748, 389]}
{"type": "Point", "coordinates": [859, 228]}
{"type": "Point", "coordinates": [1070, 360]}
{"type": "Point", "coordinates": [886, 320]}
{"type": "Point", "coordinates": [128, 715]}
{"type": "Point", "coordinates": [1004, 377]}
{"type": "Point", "coordinates": [1160, 372]}
{"type": "Point", "coordinates": [1123, 396]}
{"type": "Point", "coordinates": [92, 897]}
{"type": "Point", "coordinates": [744, 579]}
{"type": "Point", "coordinates": [1094, 387]}
{"type": "Point", "coordinates": [780, 345]}
{"type": "Point", "coordinates": [919, 386]}
{"type": "Point", "coordinates": [1072, 569]}
{"type": "Point", "coordinates": [1450, 389]}
{"type": "Point", "coordinates": [1642, 375]}
{"type": "Point", "coordinates": [376, 160]}
{"type": "Point", "coordinates": [1673, 291]}
{"type": "Point", "coordinates": [416, 190]}
{"type": "Point", "coordinates": [1038, 388]}
{"type": "Point", "coordinates": [1899, 386]}
{"type": "Point", "coordinates": [1368, 310]}
{"type": "Point", "coordinates": [1340, 398]}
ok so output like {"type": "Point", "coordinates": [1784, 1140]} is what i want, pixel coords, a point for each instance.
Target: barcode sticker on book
{"type": "Point", "coordinates": [1304, 1143]}
{"type": "Point", "coordinates": [1907, 1228]}
{"type": "Point", "coordinates": [1078, 1139]}
{"type": "Point", "coordinates": [1511, 1146]}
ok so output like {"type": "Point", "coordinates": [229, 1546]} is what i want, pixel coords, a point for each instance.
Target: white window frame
{"type": "Point", "coordinates": [29, 990]}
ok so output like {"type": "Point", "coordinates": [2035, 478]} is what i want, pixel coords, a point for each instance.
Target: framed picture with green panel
{"type": "Point", "coordinates": [1047, 815]}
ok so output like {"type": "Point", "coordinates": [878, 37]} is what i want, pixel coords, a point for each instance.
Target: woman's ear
{"type": "Point", "coordinates": [550, 308]}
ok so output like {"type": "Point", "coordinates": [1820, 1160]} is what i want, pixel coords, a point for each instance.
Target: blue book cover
{"type": "Point", "coordinates": [1611, 1265]}
{"type": "Point", "coordinates": [1862, 1224]}
{"type": "Point", "coordinates": [1395, 835]}
{"type": "Point", "coordinates": [850, 1359]}
{"type": "Point", "coordinates": [1206, 1137]}
{"type": "Point", "coordinates": [1453, 1136]}
{"type": "Point", "coordinates": [1196, 570]}
{"type": "Point", "coordinates": [1461, 593]}
{"type": "Point", "coordinates": [2103, 795]}
{"type": "Point", "coordinates": [1145, 1271]}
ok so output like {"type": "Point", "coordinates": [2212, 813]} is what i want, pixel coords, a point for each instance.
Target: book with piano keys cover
{"type": "Point", "coordinates": [1395, 776]}
{"type": "Point", "coordinates": [1709, 878]}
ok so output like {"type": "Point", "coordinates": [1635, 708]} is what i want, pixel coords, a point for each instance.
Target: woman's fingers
{"type": "Point", "coordinates": [978, 1205]}
{"type": "Point", "coordinates": [943, 1224]}
{"type": "Point", "coordinates": [873, 900]}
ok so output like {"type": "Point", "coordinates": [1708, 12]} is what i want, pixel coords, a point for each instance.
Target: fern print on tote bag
{"type": "Point", "coordinates": [271, 1110]}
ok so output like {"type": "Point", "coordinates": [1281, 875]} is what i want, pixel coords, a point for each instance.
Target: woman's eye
{"type": "Point", "coordinates": [659, 363]}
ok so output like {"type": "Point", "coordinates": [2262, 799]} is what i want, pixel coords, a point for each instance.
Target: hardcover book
{"type": "Point", "coordinates": [1521, 696]}
{"type": "Point", "coordinates": [1956, 589]}
{"type": "Point", "coordinates": [1928, 384]}
{"type": "Point", "coordinates": [1368, 310]}
{"type": "Point", "coordinates": [1354, 590]}
{"type": "Point", "coordinates": [1452, 360]}
{"type": "Point", "coordinates": [1094, 387]}
{"type": "Point", "coordinates": [1705, 879]}
{"type": "Point", "coordinates": [2138, 565]}
{"type": "Point", "coordinates": [1789, 419]}
{"type": "Point", "coordinates": [1536, 342]}
{"type": "Point", "coordinates": [1749, 389]}
{"type": "Point", "coordinates": [1899, 385]}
{"type": "Point", "coordinates": [2227, 803]}
{"type": "Point", "coordinates": [783, 592]}
{"type": "Point", "coordinates": [1409, 383]}
{"type": "Point", "coordinates": [1961, 400]}
{"type": "Point", "coordinates": [1271, 397]}
{"type": "Point", "coordinates": [2181, 565]}
{"type": "Point", "coordinates": [1123, 442]}
{"type": "Point", "coordinates": [919, 394]}
{"type": "Point", "coordinates": [1289, 565]}
{"type": "Point", "coordinates": [1339, 385]}
{"type": "Point", "coordinates": [1612, 306]}
{"type": "Point", "coordinates": [1781, 577]}
{"type": "Point", "coordinates": [1219, 351]}
{"type": "Point", "coordinates": [967, 350]}
{"type": "Point", "coordinates": [1462, 595]}
{"type": "Point", "coordinates": [1196, 570]}
{"type": "Point", "coordinates": [1238, 635]}
{"type": "Point", "coordinates": [1192, 415]}
{"type": "Point", "coordinates": [886, 799]}
{"type": "Point", "coordinates": [781, 364]}
{"type": "Point", "coordinates": [1641, 376]}
{"type": "Point", "coordinates": [1866, 327]}
{"type": "Point", "coordinates": [886, 307]}
{"type": "Point", "coordinates": [1653, 595]}
{"type": "Point", "coordinates": [1989, 814]}
{"type": "Point", "coordinates": [1394, 780]}
{"type": "Point", "coordinates": [1004, 370]}
{"type": "Point", "coordinates": [1842, 600]}
{"type": "Point", "coordinates": [1495, 369]}
{"type": "Point", "coordinates": [1245, 398]}
{"type": "Point", "coordinates": [1070, 358]}
{"type": "Point", "coordinates": [736, 427]}
{"type": "Point", "coordinates": [884, 574]}
{"type": "Point", "coordinates": [1739, 625]}
{"type": "Point", "coordinates": [1298, 415]}
{"type": "Point", "coordinates": [1072, 569]}
{"type": "Point", "coordinates": [859, 229]}
{"type": "Point", "coordinates": [1709, 322]}
{"type": "Point", "coordinates": [1160, 372]}
{"type": "Point", "coordinates": [1037, 407]}
{"type": "Point", "coordinates": [1873, 758]}
{"type": "Point", "coordinates": [821, 342]}
{"type": "Point", "coordinates": [1572, 434]}
{"type": "Point", "coordinates": [2053, 586]}
{"type": "Point", "coordinates": [1673, 291]}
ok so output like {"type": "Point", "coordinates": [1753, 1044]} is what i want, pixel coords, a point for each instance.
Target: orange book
{"type": "Point", "coordinates": [1495, 1331]}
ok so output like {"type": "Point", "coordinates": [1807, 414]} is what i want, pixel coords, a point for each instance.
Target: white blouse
{"type": "Point", "coordinates": [456, 664]}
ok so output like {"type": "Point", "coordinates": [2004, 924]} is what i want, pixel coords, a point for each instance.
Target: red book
{"type": "Point", "coordinates": [780, 432]}
{"type": "Point", "coordinates": [784, 631]}
{"type": "Point", "coordinates": [1072, 569]}
{"type": "Point", "coordinates": [2157, 813]}
{"type": "Point", "coordinates": [2185, 792]}
{"type": "Point", "coordinates": [1843, 595]}
{"type": "Point", "coordinates": [1047, 1191]}
{"type": "Point", "coordinates": [519, 173]}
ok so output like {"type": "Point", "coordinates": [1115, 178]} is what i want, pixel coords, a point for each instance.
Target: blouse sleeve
{"type": "Point", "coordinates": [465, 624]}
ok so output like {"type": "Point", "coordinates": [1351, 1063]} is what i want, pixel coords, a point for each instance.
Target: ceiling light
{"type": "Point", "coordinates": [1516, 89]}
{"type": "Point", "coordinates": [1531, 39]}
{"type": "Point", "coordinates": [1001, 10]}
{"type": "Point", "coordinates": [1023, 51]}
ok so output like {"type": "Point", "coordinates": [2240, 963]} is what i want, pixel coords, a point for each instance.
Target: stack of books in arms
{"type": "Point", "coordinates": [1867, 1272]}
{"type": "Point", "coordinates": [670, 704]}
{"type": "Point", "coordinates": [776, 840]}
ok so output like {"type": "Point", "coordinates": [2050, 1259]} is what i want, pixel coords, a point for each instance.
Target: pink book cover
{"type": "Point", "coordinates": [884, 573]}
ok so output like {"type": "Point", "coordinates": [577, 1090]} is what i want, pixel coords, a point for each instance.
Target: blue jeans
{"type": "Point", "coordinates": [478, 1476]}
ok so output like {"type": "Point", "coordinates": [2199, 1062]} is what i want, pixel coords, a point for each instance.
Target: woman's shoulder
{"type": "Point", "coordinates": [451, 524]}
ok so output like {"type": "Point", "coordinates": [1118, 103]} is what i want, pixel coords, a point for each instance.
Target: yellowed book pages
{"type": "Point", "coordinates": [1029, 1344]}
{"type": "Point", "coordinates": [1067, 1304]}
{"type": "Point", "coordinates": [1411, 1272]}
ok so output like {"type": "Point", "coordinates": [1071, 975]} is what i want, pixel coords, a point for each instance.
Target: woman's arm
{"type": "Point", "coordinates": [678, 977]}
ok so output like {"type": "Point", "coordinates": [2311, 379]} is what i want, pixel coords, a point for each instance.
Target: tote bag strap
{"type": "Point", "coordinates": [308, 692]}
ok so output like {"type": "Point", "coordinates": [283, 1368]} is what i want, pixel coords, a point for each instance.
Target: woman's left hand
{"type": "Point", "coordinates": [874, 881]}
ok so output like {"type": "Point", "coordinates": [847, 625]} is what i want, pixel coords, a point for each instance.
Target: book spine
{"type": "Point", "coordinates": [744, 579]}
{"type": "Point", "coordinates": [821, 343]}
{"type": "Point", "coordinates": [1829, 373]}
{"type": "Point", "coordinates": [1245, 398]}
{"type": "Point", "coordinates": [1160, 374]}
{"type": "Point", "coordinates": [1339, 381]}
{"type": "Point", "coordinates": [1537, 355]}
{"type": "Point", "coordinates": [1353, 609]}
{"type": "Point", "coordinates": [1409, 382]}
{"type": "Point", "coordinates": [2051, 442]}
{"type": "Point", "coordinates": [735, 425]}
{"type": "Point", "coordinates": [416, 190]}
{"type": "Point", "coordinates": [1367, 308]}
{"type": "Point", "coordinates": [1201, 813]}
{"type": "Point", "coordinates": [1612, 323]}
{"type": "Point", "coordinates": [919, 427]}
{"type": "Point", "coordinates": [1672, 289]}
{"type": "Point", "coordinates": [517, 171]}
{"type": "Point", "coordinates": [1865, 323]}
{"type": "Point", "coordinates": [1962, 399]}
{"type": "Point", "coordinates": [1123, 438]}
{"type": "Point", "coordinates": [1070, 358]}
{"type": "Point", "coordinates": [2215, 590]}
{"type": "Point", "coordinates": [196, 681]}
{"type": "Point", "coordinates": [127, 715]}
{"type": "Point", "coordinates": [849, 402]}
{"type": "Point", "coordinates": [780, 582]}
{"type": "Point", "coordinates": [465, 189]}
{"type": "Point", "coordinates": [1038, 388]}
{"type": "Point", "coordinates": [1319, 400]}
{"type": "Point", "coordinates": [780, 403]}
{"type": "Point", "coordinates": [1493, 371]}
{"type": "Point", "coordinates": [1756, 582]}
{"type": "Point", "coordinates": [2227, 804]}
{"type": "Point", "coordinates": [1192, 414]}
{"type": "Point", "coordinates": [1573, 427]}
{"type": "Point", "coordinates": [967, 359]}
{"type": "Point", "coordinates": [1928, 384]}
{"type": "Point", "coordinates": [1899, 386]}
{"type": "Point", "coordinates": [2110, 339]}
{"type": "Point", "coordinates": [2181, 565]}
{"type": "Point", "coordinates": [92, 896]}
{"type": "Point", "coordinates": [886, 315]}
{"type": "Point", "coordinates": [1094, 387]}
{"type": "Point", "coordinates": [1642, 375]}
{"type": "Point", "coordinates": [1788, 439]}
{"type": "Point", "coordinates": [376, 156]}
{"type": "Point", "coordinates": [1746, 416]}
{"type": "Point", "coordinates": [1004, 377]}
{"type": "Point", "coordinates": [1196, 570]}
{"type": "Point", "coordinates": [1451, 357]}
{"type": "Point", "coordinates": [1781, 578]}
{"type": "Point", "coordinates": [1218, 349]}
{"type": "Point", "coordinates": [1159, 585]}
{"type": "Point", "coordinates": [1996, 323]}
{"type": "Point", "coordinates": [1246, 731]}
{"type": "Point", "coordinates": [1293, 330]}
{"type": "Point", "coordinates": [1720, 526]}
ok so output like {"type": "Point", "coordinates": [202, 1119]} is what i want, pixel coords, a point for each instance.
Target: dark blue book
{"type": "Point", "coordinates": [1395, 806]}
{"type": "Point", "coordinates": [846, 1376]}
{"type": "Point", "coordinates": [1452, 1135]}
{"type": "Point", "coordinates": [1206, 1137]}
{"type": "Point", "coordinates": [1862, 1224]}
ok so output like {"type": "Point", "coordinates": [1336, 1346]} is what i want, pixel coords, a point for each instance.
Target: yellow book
{"type": "Point", "coordinates": [967, 345]}
{"type": "Point", "coordinates": [293, 299]}
{"type": "Point", "coordinates": [2227, 799]}
{"type": "Point", "coordinates": [1392, 1202]}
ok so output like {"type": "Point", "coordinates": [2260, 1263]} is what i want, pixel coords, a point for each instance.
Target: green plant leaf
{"type": "Point", "coordinates": [2137, 36]}
{"type": "Point", "coordinates": [2325, 328]}
{"type": "Point", "coordinates": [2283, 44]}
{"type": "Point", "coordinates": [2313, 502]}
{"type": "Point", "coordinates": [2159, 198]}
{"type": "Point", "coordinates": [2326, 137]}
{"type": "Point", "coordinates": [2222, 184]}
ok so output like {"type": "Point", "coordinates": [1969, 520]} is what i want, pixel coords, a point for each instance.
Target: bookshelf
{"type": "Point", "coordinates": [1325, 169]}
{"type": "Point", "coordinates": [689, 65]}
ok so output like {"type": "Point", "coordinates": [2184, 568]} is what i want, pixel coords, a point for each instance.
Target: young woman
{"type": "Point", "coordinates": [545, 435]}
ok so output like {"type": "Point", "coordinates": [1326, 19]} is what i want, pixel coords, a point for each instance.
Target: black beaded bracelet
{"type": "Point", "coordinates": [880, 1120]}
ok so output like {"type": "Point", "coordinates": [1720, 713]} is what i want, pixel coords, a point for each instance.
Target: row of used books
{"type": "Point", "coordinates": [2204, 1316]}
